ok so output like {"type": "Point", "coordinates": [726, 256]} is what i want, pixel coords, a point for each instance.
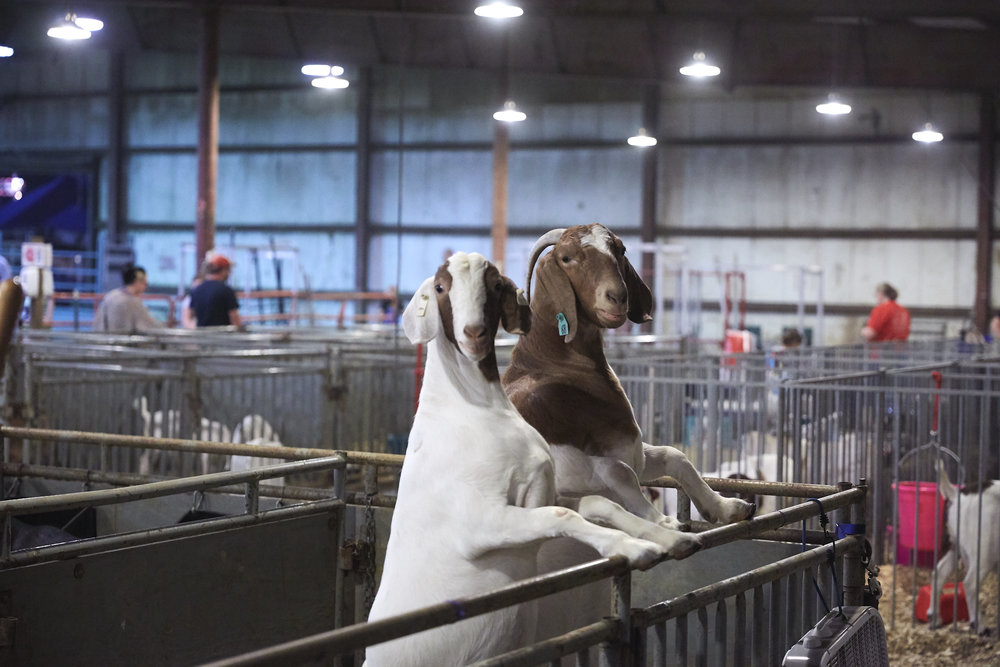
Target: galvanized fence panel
{"type": "Point", "coordinates": [356, 396]}
{"type": "Point", "coordinates": [887, 414]}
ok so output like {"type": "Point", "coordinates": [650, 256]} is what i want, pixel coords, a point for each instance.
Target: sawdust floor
{"type": "Point", "coordinates": [912, 643]}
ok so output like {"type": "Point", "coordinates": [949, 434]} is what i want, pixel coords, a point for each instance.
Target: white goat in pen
{"type": "Point", "coordinates": [255, 430]}
{"type": "Point", "coordinates": [978, 551]}
{"type": "Point", "coordinates": [158, 424]}
{"type": "Point", "coordinates": [560, 381]}
{"type": "Point", "coordinates": [476, 495]}
{"type": "Point", "coordinates": [828, 451]}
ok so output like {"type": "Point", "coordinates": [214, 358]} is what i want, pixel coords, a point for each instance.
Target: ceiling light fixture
{"type": "Point", "coordinates": [927, 135]}
{"type": "Point", "coordinates": [75, 27]}
{"type": "Point", "coordinates": [641, 139]}
{"type": "Point", "coordinates": [499, 10]}
{"type": "Point", "coordinates": [330, 82]}
{"type": "Point", "coordinates": [833, 106]}
{"type": "Point", "coordinates": [6, 51]}
{"type": "Point", "coordinates": [699, 68]}
{"type": "Point", "coordinates": [89, 24]}
{"type": "Point", "coordinates": [320, 69]}
{"type": "Point", "coordinates": [510, 113]}
{"type": "Point", "coordinates": [325, 76]}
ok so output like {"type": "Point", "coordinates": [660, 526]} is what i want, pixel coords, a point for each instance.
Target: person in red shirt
{"type": "Point", "coordinates": [888, 319]}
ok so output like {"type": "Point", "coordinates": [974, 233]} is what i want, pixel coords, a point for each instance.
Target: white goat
{"type": "Point", "coordinates": [978, 551]}
{"type": "Point", "coordinates": [255, 430]}
{"type": "Point", "coordinates": [158, 424]}
{"type": "Point", "coordinates": [476, 493]}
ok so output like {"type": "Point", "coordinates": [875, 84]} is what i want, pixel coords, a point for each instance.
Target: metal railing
{"type": "Point", "coordinates": [621, 637]}
{"type": "Point", "coordinates": [75, 310]}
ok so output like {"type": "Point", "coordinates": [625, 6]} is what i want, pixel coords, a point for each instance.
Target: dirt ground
{"type": "Point", "coordinates": [912, 643]}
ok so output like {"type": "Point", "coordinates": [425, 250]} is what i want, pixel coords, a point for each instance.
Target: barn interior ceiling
{"type": "Point", "coordinates": [934, 44]}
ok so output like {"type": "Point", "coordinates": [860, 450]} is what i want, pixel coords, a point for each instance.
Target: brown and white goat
{"type": "Point", "coordinates": [968, 509]}
{"type": "Point", "coordinates": [560, 380]}
{"type": "Point", "coordinates": [477, 496]}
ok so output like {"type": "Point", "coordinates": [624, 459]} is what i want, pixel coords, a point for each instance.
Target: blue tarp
{"type": "Point", "coordinates": [53, 207]}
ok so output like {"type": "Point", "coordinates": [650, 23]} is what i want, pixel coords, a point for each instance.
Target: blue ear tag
{"type": "Point", "coordinates": [563, 324]}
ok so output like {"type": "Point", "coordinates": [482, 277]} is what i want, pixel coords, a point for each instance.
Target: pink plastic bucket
{"type": "Point", "coordinates": [909, 495]}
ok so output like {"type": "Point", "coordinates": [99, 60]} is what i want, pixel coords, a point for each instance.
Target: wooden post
{"type": "Point", "coordinates": [501, 144]}
{"type": "Point", "coordinates": [208, 134]}
{"type": "Point", "coordinates": [984, 216]}
{"type": "Point", "coordinates": [117, 212]}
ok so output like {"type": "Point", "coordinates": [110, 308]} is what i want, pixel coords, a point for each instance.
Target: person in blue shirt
{"type": "Point", "coordinates": [213, 302]}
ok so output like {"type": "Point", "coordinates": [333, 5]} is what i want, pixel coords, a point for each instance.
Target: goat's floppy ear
{"type": "Point", "coordinates": [515, 313]}
{"type": "Point", "coordinates": [421, 320]}
{"type": "Point", "coordinates": [551, 280]}
{"type": "Point", "coordinates": [640, 299]}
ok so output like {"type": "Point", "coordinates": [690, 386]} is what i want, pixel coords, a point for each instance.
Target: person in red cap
{"type": "Point", "coordinates": [213, 302]}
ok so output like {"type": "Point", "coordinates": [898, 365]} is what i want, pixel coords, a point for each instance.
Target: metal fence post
{"type": "Point", "coordinates": [854, 571]}
{"type": "Point", "coordinates": [618, 653]}
{"type": "Point", "coordinates": [340, 516]}
{"type": "Point", "coordinates": [193, 385]}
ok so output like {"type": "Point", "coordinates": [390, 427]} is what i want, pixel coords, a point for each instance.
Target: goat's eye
{"type": "Point", "coordinates": [439, 289]}
{"type": "Point", "coordinates": [497, 287]}
{"type": "Point", "coordinates": [565, 259]}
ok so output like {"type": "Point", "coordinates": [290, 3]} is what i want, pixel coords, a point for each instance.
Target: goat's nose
{"type": "Point", "coordinates": [475, 332]}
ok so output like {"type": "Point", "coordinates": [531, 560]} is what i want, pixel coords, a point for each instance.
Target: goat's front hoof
{"type": "Point", "coordinates": [670, 523]}
{"type": "Point", "coordinates": [985, 631]}
{"type": "Point", "coordinates": [731, 510]}
{"type": "Point", "coordinates": [685, 545]}
{"type": "Point", "coordinates": [642, 554]}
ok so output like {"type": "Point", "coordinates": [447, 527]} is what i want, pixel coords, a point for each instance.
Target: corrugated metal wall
{"type": "Point", "coordinates": [745, 177]}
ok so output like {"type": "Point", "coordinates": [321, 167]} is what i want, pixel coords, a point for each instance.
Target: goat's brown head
{"type": "Point", "coordinates": [587, 276]}
{"type": "Point", "coordinates": [466, 300]}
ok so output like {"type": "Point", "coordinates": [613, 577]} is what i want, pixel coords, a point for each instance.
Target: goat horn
{"type": "Point", "coordinates": [550, 238]}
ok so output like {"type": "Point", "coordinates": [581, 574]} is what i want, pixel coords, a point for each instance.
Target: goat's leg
{"type": "Point", "coordinates": [971, 583]}
{"type": "Point", "coordinates": [512, 526]}
{"type": "Point", "coordinates": [145, 462]}
{"type": "Point", "coordinates": [944, 569]}
{"type": "Point", "coordinates": [975, 574]}
{"type": "Point", "coordinates": [662, 460]}
{"type": "Point", "coordinates": [578, 474]}
{"type": "Point", "coordinates": [604, 512]}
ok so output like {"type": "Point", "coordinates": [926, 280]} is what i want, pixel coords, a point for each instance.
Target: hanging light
{"type": "Point", "coordinates": [75, 27]}
{"type": "Point", "coordinates": [89, 24]}
{"type": "Point", "coordinates": [699, 67]}
{"type": "Point", "coordinates": [325, 76]}
{"type": "Point", "coordinates": [320, 69]}
{"type": "Point", "coordinates": [330, 82]}
{"type": "Point", "coordinates": [641, 139]}
{"type": "Point", "coordinates": [509, 113]}
{"type": "Point", "coordinates": [6, 51]}
{"type": "Point", "coordinates": [927, 134]}
{"type": "Point", "coordinates": [833, 106]}
{"type": "Point", "coordinates": [499, 10]}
